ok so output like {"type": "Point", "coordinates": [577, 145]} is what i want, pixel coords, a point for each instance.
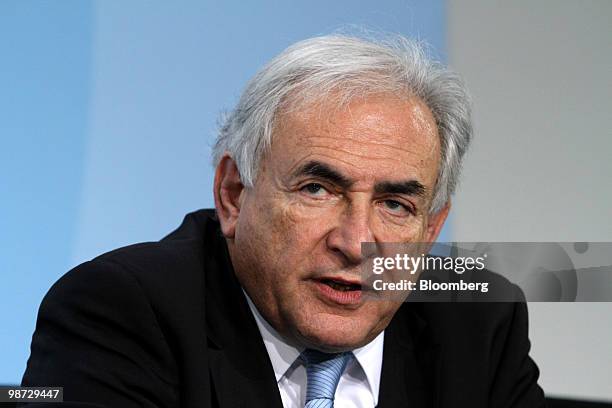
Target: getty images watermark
{"type": "Point", "coordinates": [491, 272]}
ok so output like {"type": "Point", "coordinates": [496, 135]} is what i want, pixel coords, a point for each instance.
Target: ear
{"type": "Point", "coordinates": [436, 221]}
{"type": "Point", "coordinates": [227, 191]}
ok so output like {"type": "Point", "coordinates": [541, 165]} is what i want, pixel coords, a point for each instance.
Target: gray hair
{"type": "Point", "coordinates": [350, 66]}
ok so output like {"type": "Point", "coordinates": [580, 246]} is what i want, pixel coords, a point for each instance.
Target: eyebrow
{"type": "Point", "coordinates": [410, 187]}
{"type": "Point", "coordinates": [321, 170]}
{"type": "Point", "coordinates": [326, 172]}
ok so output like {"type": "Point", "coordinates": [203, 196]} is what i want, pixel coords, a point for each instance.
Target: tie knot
{"type": "Point", "coordinates": [323, 372]}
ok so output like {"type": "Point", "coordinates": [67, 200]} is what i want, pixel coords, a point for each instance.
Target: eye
{"type": "Point", "coordinates": [397, 208]}
{"type": "Point", "coordinates": [314, 189]}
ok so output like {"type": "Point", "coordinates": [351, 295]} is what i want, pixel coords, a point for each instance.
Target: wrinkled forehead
{"type": "Point", "coordinates": [375, 135]}
{"type": "Point", "coordinates": [400, 109]}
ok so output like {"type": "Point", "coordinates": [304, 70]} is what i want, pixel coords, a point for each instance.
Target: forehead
{"type": "Point", "coordinates": [370, 139]}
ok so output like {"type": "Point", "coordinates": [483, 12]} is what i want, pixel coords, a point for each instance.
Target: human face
{"type": "Point", "coordinates": [334, 178]}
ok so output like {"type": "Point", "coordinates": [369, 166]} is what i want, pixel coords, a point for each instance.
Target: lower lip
{"type": "Point", "coordinates": [348, 297]}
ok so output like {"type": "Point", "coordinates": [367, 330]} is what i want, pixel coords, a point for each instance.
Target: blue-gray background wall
{"type": "Point", "coordinates": [540, 168]}
{"type": "Point", "coordinates": [107, 113]}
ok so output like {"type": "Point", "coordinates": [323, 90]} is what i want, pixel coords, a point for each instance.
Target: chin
{"type": "Point", "coordinates": [334, 334]}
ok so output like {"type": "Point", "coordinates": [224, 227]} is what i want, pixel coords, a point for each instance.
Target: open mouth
{"type": "Point", "coordinates": [340, 285]}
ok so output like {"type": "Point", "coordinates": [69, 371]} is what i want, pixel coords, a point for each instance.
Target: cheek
{"type": "Point", "coordinates": [281, 232]}
{"type": "Point", "coordinates": [411, 231]}
{"type": "Point", "coordinates": [303, 224]}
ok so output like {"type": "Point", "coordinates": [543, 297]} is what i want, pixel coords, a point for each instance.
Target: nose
{"type": "Point", "coordinates": [353, 226]}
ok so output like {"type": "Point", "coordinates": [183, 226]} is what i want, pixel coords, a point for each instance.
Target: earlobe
{"type": "Point", "coordinates": [227, 192]}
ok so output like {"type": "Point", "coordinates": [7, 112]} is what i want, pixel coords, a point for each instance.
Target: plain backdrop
{"type": "Point", "coordinates": [540, 168]}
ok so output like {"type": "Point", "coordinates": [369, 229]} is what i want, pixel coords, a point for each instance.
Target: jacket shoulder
{"type": "Point", "coordinates": [175, 265]}
{"type": "Point", "coordinates": [483, 341]}
{"type": "Point", "coordinates": [125, 319]}
{"type": "Point", "coordinates": [96, 331]}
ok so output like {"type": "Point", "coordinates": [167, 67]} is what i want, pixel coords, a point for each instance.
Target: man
{"type": "Point", "coordinates": [336, 142]}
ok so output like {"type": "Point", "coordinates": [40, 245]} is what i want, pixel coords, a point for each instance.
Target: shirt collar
{"type": "Point", "coordinates": [283, 355]}
{"type": "Point", "coordinates": [370, 359]}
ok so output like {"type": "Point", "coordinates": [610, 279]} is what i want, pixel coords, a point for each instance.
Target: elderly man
{"type": "Point", "coordinates": [336, 142]}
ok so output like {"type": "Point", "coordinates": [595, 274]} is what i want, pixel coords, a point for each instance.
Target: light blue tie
{"type": "Point", "coordinates": [323, 372]}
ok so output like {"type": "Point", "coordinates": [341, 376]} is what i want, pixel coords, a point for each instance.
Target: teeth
{"type": "Point", "coordinates": [340, 286]}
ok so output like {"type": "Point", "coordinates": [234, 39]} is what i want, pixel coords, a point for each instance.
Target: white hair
{"type": "Point", "coordinates": [348, 66]}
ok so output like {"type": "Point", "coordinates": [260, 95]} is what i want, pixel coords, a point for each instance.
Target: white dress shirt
{"type": "Point", "coordinates": [358, 386]}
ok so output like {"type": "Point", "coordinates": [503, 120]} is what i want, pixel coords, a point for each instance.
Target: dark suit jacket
{"type": "Point", "coordinates": [165, 324]}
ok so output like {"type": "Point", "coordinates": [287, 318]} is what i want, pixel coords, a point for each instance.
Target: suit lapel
{"type": "Point", "coordinates": [410, 363]}
{"type": "Point", "coordinates": [240, 368]}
